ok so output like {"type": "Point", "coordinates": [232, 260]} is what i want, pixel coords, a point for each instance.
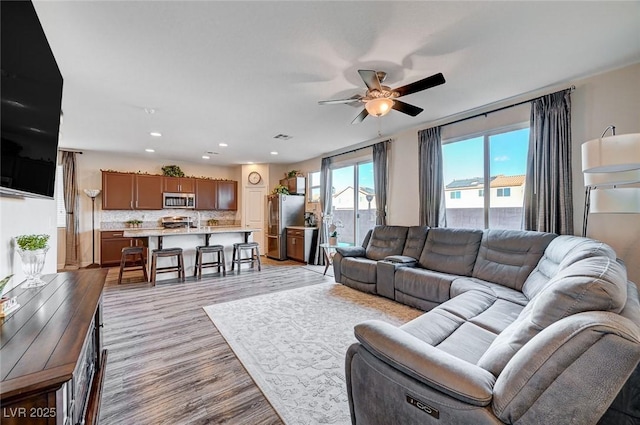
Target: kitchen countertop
{"type": "Point", "coordinates": [302, 227]}
{"type": "Point", "coordinates": [204, 230]}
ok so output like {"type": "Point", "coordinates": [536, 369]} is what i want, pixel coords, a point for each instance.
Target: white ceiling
{"type": "Point", "coordinates": [242, 72]}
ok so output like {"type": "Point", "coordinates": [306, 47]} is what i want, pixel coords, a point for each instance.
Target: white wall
{"type": "Point", "coordinates": [19, 216]}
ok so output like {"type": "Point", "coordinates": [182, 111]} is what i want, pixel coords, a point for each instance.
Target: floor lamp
{"type": "Point", "coordinates": [607, 164]}
{"type": "Point", "coordinates": [93, 193]}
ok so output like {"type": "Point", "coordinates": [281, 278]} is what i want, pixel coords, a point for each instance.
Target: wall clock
{"type": "Point", "coordinates": [254, 177]}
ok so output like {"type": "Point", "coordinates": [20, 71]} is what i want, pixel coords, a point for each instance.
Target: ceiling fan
{"type": "Point", "coordinates": [379, 99]}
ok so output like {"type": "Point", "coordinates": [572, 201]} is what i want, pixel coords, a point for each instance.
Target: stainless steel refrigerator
{"type": "Point", "coordinates": [282, 211]}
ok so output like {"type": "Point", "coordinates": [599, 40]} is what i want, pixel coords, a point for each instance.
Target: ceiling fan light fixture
{"type": "Point", "coordinates": [379, 107]}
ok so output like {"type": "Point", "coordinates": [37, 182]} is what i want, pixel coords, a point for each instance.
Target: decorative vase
{"type": "Point", "coordinates": [32, 265]}
{"type": "Point", "coordinates": [333, 240]}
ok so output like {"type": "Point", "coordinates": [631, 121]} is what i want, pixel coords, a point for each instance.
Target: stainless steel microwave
{"type": "Point", "coordinates": [178, 200]}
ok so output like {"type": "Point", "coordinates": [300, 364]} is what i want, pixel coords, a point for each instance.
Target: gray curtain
{"type": "Point", "coordinates": [381, 179]}
{"type": "Point", "coordinates": [548, 198]}
{"type": "Point", "coordinates": [430, 178]}
{"type": "Point", "coordinates": [325, 208]}
{"type": "Point", "coordinates": [71, 206]}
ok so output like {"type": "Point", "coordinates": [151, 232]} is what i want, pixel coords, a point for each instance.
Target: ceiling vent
{"type": "Point", "coordinates": [282, 136]}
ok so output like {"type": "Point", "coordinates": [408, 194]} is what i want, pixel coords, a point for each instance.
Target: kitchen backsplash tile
{"type": "Point", "coordinates": [115, 219]}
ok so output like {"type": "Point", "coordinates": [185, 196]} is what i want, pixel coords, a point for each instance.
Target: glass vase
{"type": "Point", "coordinates": [32, 265]}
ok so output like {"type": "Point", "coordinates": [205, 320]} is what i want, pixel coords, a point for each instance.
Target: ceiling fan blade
{"type": "Point", "coordinates": [354, 98]}
{"type": "Point", "coordinates": [425, 83]}
{"type": "Point", "coordinates": [405, 108]}
{"type": "Point", "coordinates": [362, 115]}
{"type": "Point", "coordinates": [370, 79]}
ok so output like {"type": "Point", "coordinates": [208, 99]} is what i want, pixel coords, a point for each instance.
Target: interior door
{"type": "Point", "coordinates": [254, 212]}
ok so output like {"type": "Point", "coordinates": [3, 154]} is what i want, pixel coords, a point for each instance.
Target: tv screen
{"type": "Point", "coordinates": [31, 104]}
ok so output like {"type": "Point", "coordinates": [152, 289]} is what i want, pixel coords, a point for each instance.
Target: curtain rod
{"type": "Point", "coordinates": [357, 149]}
{"type": "Point", "coordinates": [572, 88]}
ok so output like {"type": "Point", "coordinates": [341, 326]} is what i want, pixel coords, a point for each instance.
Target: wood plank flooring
{"type": "Point", "coordinates": [168, 364]}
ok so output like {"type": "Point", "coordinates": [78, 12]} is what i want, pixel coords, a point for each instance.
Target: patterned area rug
{"type": "Point", "coordinates": [293, 344]}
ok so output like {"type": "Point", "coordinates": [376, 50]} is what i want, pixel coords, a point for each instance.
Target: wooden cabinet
{"type": "Point", "coordinates": [226, 195]}
{"type": "Point", "coordinates": [179, 184]}
{"type": "Point", "coordinates": [53, 361]}
{"type": "Point", "coordinates": [111, 244]}
{"type": "Point", "coordinates": [301, 243]}
{"type": "Point", "coordinates": [295, 185]}
{"type": "Point", "coordinates": [126, 191]}
{"type": "Point", "coordinates": [206, 192]}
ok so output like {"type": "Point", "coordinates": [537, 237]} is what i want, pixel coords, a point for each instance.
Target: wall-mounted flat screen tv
{"type": "Point", "coordinates": [31, 104]}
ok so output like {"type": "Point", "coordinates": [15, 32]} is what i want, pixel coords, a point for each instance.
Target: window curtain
{"type": "Point", "coordinates": [381, 179]}
{"type": "Point", "coordinates": [71, 206]}
{"type": "Point", "coordinates": [325, 208]}
{"type": "Point", "coordinates": [548, 198]}
{"type": "Point", "coordinates": [430, 178]}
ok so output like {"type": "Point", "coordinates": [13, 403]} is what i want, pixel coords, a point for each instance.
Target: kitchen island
{"type": "Point", "coordinates": [188, 239]}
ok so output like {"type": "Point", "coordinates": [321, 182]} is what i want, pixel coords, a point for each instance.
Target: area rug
{"type": "Point", "coordinates": [293, 344]}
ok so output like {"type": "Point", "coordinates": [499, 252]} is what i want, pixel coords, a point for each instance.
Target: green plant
{"type": "Point", "coordinates": [281, 189]}
{"type": "Point", "coordinates": [333, 234]}
{"type": "Point", "coordinates": [172, 171]}
{"type": "Point", "coordinates": [292, 173]}
{"type": "Point", "coordinates": [32, 242]}
{"type": "Point", "coordinates": [134, 222]}
{"type": "Point", "coordinates": [4, 282]}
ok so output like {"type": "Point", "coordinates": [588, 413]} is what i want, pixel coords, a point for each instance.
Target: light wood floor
{"type": "Point", "coordinates": [167, 362]}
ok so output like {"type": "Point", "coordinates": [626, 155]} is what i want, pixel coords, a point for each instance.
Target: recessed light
{"type": "Point", "coordinates": [224, 145]}
{"type": "Point", "coordinates": [274, 153]}
{"type": "Point", "coordinates": [155, 134]}
{"type": "Point", "coordinates": [205, 157]}
{"type": "Point", "coordinates": [150, 150]}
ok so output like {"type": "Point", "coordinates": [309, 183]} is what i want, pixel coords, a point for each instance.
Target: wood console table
{"type": "Point", "coordinates": [51, 347]}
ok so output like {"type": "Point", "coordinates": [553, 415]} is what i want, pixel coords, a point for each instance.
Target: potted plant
{"type": "Point", "coordinates": [291, 174]}
{"type": "Point", "coordinates": [280, 189]}
{"type": "Point", "coordinates": [33, 251]}
{"type": "Point", "coordinates": [133, 223]}
{"type": "Point", "coordinates": [172, 171]}
{"type": "Point", "coordinates": [333, 238]}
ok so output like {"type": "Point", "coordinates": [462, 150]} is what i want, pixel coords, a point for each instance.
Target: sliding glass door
{"type": "Point", "coordinates": [353, 201]}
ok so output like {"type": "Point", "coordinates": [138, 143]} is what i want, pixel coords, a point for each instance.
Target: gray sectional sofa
{"type": "Point", "coordinates": [519, 328]}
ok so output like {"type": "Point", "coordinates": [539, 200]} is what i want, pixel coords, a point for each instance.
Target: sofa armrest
{"type": "Point", "coordinates": [401, 259]}
{"type": "Point", "coordinates": [455, 377]}
{"type": "Point", "coordinates": [351, 251]}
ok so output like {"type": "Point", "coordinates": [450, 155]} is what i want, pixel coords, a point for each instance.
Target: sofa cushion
{"type": "Point", "coordinates": [561, 253]}
{"type": "Point", "coordinates": [464, 284]}
{"type": "Point", "coordinates": [450, 250]}
{"type": "Point", "coordinates": [414, 244]}
{"type": "Point", "coordinates": [386, 241]}
{"type": "Point", "coordinates": [508, 257]}
{"type": "Point", "coordinates": [588, 285]}
{"type": "Point", "coordinates": [359, 269]}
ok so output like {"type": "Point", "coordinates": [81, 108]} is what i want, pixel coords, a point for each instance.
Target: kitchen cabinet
{"type": "Point", "coordinates": [206, 194]}
{"type": "Point", "coordinates": [301, 243]}
{"type": "Point", "coordinates": [111, 244]}
{"type": "Point", "coordinates": [226, 195]}
{"type": "Point", "coordinates": [295, 185]}
{"type": "Point", "coordinates": [127, 191]}
{"type": "Point", "coordinates": [179, 184]}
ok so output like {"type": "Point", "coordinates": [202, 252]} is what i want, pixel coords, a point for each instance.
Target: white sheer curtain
{"type": "Point", "coordinates": [325, 208]}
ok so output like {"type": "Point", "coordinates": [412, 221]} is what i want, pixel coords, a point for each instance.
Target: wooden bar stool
{"type": "Point", "coordinates": [138, 255]}
{"type": "Point", "coordinates": [167, 253]}
{"type": "Point", "coordinates": [254, 249]}
{"type": "Point", "coordinates": [201, 264]}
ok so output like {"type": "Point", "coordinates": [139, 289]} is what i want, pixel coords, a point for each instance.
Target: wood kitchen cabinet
{"type": "Point", "coordinates": [301, 243]}
{"type": "Point", "coordinates": [111, 244]}
{"type": "Point", "coordinates": [126, 191]}
{"type": "Point", "coordinates": [226, 195]}
{"type": "Point", "coordinates": [179, 184]}
{"type": "Point", "coordinates": [206, 192]}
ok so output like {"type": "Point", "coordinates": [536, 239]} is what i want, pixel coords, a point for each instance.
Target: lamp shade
{"type": "Point", "coordinates": [611, 179]}
{"type": "Point", "coordinates": [379, 107]}
{"type": "Point", "coordinates": [92, 193]}
{"type": "Point", "coordinates": [611, 154]}
{"type": "Point", "coordinates": [620, 200]}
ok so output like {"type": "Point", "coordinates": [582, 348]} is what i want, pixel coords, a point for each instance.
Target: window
{"type": "Point", "coordinates": [314, 186]}
{"type": "Point", "coordinates": [499, 156]}
{"type": "Point", "coordinates": [504, 192]}
{"type": "Point", "coordinates": [60, 208]}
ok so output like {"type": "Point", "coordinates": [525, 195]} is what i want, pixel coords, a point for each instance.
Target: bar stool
{"type": "Point", "coordinates": [200, 264]}
{"type": "Point", "coordinates": [167, 253]}
{"type": "Point", "coordinates": [138, 255]}
{"type": "Point", "coordinates": [254, 254]}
